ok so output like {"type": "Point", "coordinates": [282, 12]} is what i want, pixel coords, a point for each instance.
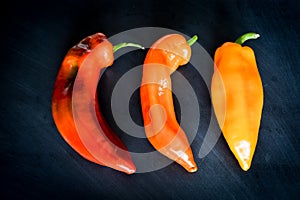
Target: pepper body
{"type": "Point", "coordinates": [237, 97]}
{"type": "Point", "coordinates": [161, 126]}
{"type": "Point", "coordinates": [99, 144]}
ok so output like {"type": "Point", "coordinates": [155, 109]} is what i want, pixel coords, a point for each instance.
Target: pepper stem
{"type": "Point", "coordinates": [192, 40]}
{"type": "Point", "coordinates": [125, 44]}
{"type": "Point", "coordinates": [247, 36]}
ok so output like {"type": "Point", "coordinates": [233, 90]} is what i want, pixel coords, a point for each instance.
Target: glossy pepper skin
{"type": "Point", "coordinates": [161, 126]}
{"type": "Point", "coordinates": [93, 53]}
{"type": "Point", "coordinates": [237, 97]}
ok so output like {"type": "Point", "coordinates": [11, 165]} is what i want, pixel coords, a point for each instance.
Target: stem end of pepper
{"type": "Point", "coordinates": [192, 40]}
{"type": "Point", "coordinates": [247, 36]}
{"type": "Point", "coordinates": [125, 44]}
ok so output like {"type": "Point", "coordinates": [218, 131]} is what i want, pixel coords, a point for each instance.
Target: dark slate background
{"type": "Point", "coordinates": [37, 163]}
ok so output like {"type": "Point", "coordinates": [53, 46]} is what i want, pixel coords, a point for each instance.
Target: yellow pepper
{"type": "Point", "coordinates": [237, 97]}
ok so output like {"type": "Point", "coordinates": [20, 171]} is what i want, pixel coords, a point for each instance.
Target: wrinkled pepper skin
{"type": "Point", "coordinates": [94, 52]}
{"type": "Point", "coordinates": [161, 126]}
{"type": "Point", "coordinates": [237, 97]}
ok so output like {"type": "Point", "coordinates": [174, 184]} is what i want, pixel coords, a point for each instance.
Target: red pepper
{"type": "Point", "coordinates": [75, 110]}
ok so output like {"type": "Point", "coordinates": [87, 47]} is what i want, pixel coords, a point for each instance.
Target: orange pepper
{"type": "Point", "coordinates": [237, 97]}
{"type": "Point", "coordinates": [93, 53]}
{"type": "Point", "coordinates": [161, 126]}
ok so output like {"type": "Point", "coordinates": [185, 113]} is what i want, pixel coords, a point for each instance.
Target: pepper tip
{"type": "Point", "coordinates": [127, 167]}
{"type": "Point", "coordinates": [188, 164]}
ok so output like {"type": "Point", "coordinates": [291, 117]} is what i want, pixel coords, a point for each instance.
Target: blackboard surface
{"type": "Point", "coordinates": [36, 163]}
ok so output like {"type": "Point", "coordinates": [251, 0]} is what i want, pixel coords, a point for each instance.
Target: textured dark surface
{"type": "Point", "coordinates": [37, 163]}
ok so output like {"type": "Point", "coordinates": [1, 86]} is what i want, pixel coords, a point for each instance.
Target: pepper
{"type": "Point", "coordinates": [237, 97]}
{"type": "Point", "coordinates": [93, 53]}
{"type": "Point", "coordinates": [161, 126]}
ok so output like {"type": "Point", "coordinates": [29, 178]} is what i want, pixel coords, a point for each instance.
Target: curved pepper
{"type": "Point", "coordinates": [161, 126]}
{"type": "Point", "coordinates": [237, 97]}
{"type": "Point", "coordinates": [94, 53]}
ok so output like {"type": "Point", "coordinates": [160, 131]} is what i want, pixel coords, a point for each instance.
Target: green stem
{"type": "Point", "coordinates": [247, 36]}
{"type": "Point", "coordinates": [192, 40]}
{"type": "Point", "coordinates": [125, 44]}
